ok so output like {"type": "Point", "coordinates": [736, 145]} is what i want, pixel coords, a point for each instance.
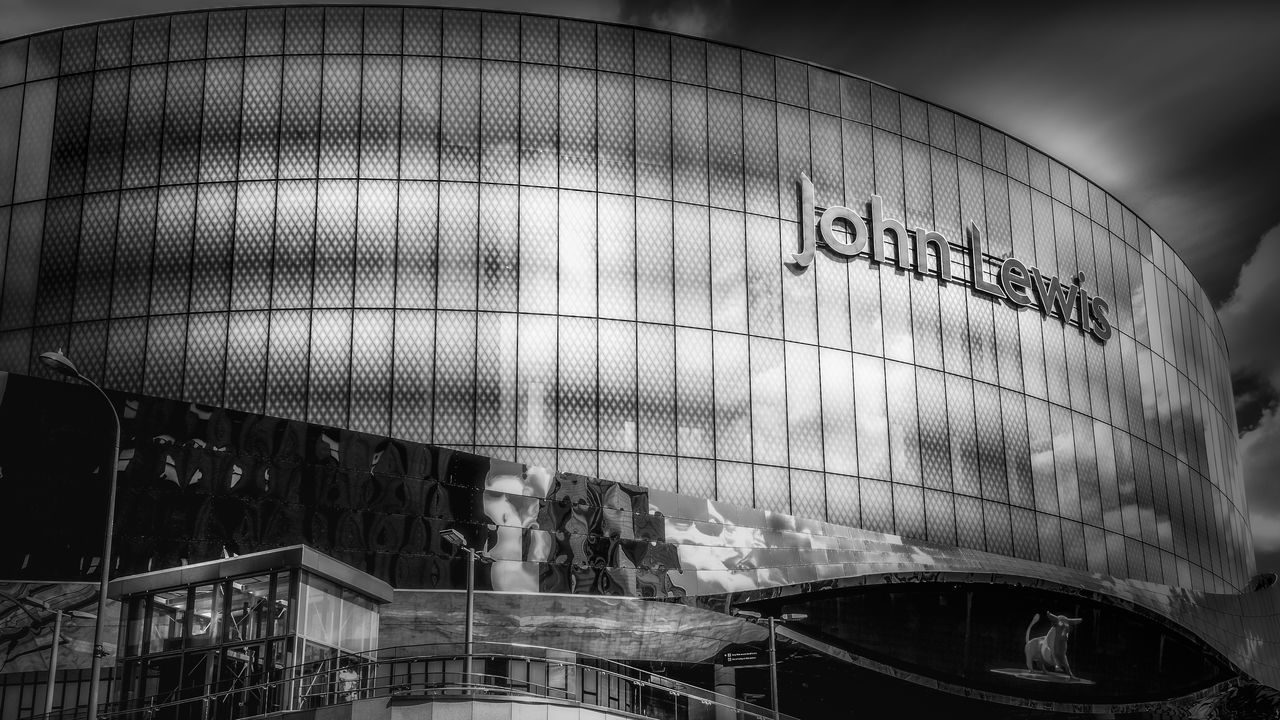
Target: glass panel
{"type": "Point", "coordinates": [251, 277]}
{"type": "Point", "coordinates": [764, 275]}
{"type": "Point", "coordinates": [250, 608]}
{"type": "Point", "coordinates": [904, 441]}
{"type": "Point", "coordinates": [37, 135]}
{"type": "Point", "coordinates": [259, 131]}
{"type": "Point", "coordinates": [359, 629]}
{"type": "Point", "coordinates": [10, 120]}
{"type": "Point", "coordinates": [166, 338]}
{"type": "Point", "coordinates": [371, 353]}
{"type": "Point", "coordinates": [617, 386]}
{"type": "Point", "coordinates": [654, 297]}
{"type": "Point", "coordinates": [412, 396]}
{"type": "Point", "coordinates": [57, 261]}
{"type": "Point", "coordinates": [617, 257]}
{"type": "Point", "coordinates": [991, 442]}
{"type": "Point", "coordinates": [329, 367]}
{"type": "Point", "coordinates": [760, 134]}
{"type": "Point", "coordinates": [459, 119]}
{"type": "Point", "coordinates": [299, 126]}
{"type": "Point", "coordinates": [420, 117]}
{"type": "Point", "coordinates": [732, 378]}
{"type": "Point", "coordinates": [499, 266]}
{"type": "Point", "coordinates": [455, 378]}
{"type": "Point", "coordinates": [577, 253]}
{"type": "Point", "coordinates": [264, 30]}
{"type": "Point", "coordinates": [689, 143]}
{"type": "Point", "coordinates": [538, 250]}
{"type": "Point", "coordinates": [655, 377]}
{"type": "Point", "coordinates": [964, 442]}
{"type": "Point", "coordinates": [499, 118]}
{"type": "Point", "coordinates": [207, 615]}
{"type": "Point", "coordinates": [246, 361]}
{"type": "Point", "coordinates": [616, 161]}
{"type": "Point", "coordinates": [576, 396]}
{"type": "Point", "coordinates": [211, 259]}
{"type": "Point", "coordinates": [872, 419]}
{"type": "Point", "coordinates": [793, 157]}
{"type": "Point", "coordinates": [768, 402]}
{"type": "Point", "coordinates": [653, 138]}
{"type": "Point", "coordinates": [102, 162]}
{"type": "Point", "coordinates": [692, 266]}
{"type": "Point", "coordinates": [577, 149]}
{"type": "Point", "coordinates": [538, 131]}
{"type": "Point", "coordinates": [496, 379]}
{"type": "Point", "coordinates": [536, 416]}
{"type": "Point", "coordinates": [220, 127]}
{"type": "Point", "coordinates": [458, 228]}
{"type": "Point", "coordinates": [166, 622]}
{"type": "Point", "coordinates": [694, 410]}
{"type": "Point", "coordinates": [205, 368]}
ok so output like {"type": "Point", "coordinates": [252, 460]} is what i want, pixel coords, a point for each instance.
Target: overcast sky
{"type": "Point", "coordinates": [1172, 107]}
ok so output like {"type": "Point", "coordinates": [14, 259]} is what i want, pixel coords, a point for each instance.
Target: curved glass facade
{"type": "Point", "coordinates": [563, 243]}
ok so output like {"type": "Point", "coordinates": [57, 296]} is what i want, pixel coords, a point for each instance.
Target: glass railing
{"type": "Point", "coordinates": [439, 671]}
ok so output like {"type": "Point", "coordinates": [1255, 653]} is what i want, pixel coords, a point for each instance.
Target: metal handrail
{"type": "Point", "coordinates": [639, 692]}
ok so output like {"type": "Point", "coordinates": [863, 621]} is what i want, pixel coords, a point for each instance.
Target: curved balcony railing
{"type": "Point", "coordinates": [436, 671]}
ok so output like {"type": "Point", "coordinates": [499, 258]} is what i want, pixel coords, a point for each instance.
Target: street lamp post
{"type": "Point", "coordinates": [460, 541]}
{"type": "Point", "coordinates": [60, 363]}
{"type": "Point", "coordinates": [773, 648]}
{"type": "Point", "coordinates": [53, 662]}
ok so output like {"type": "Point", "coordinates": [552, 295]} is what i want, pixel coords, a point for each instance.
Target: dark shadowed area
{"type": "Point", "coordinates": [1171, 106]}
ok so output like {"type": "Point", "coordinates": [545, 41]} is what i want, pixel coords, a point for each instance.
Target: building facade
{"type": "Point", "coordinates": [742, 291]}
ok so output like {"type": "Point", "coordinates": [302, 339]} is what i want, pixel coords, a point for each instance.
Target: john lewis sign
{"type": "Point", "coordinates": [1017, 283]}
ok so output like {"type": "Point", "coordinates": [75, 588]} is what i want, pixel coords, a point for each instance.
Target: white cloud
{"type": "Point", "coordinates": [1249, 321]}
{"type": "Point", "coordinates": [1249, 317]}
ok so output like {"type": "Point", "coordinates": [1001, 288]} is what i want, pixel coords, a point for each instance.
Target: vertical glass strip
{"type": "Point", "coordinates": [371, 357]}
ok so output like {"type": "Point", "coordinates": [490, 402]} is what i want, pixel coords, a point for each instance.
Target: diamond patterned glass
{"type": "Point", "coordinates": [413, 366]}
{"type": "Point", "coordinates": [299, 127]}
{"type": "Point", "coordinates": [97, 246]}
{"type": "Point", "coordinates": [577, 144]}
{"type": "Point", "coordinates": [375, 260]}
{"type": "Point", "coordinates": [220, 125]}
{"type": "Point", "coordinates": [500, 122]}
{"type": "Point", "coordinates": [567, 243]}
{"type": "Point", "coordinates": [259, 131]}
{"type": "Point", "coordinates": [655, 388]}
{"type": "Point", "coordinates": [616, 388]}
{"type": "Point", "coordinates": [329, 376]}
{"type": "Point", "coordinates": [498, 269]}
{"type": "Point", "coordinates": [420, 118]}
{"type": "Point", "coordinates": [247, 335]}
{"type": "Point", "coordinates": [372, 346]}
{"type": "Point", "coordinates": [577, 403]}
{"type": "Point", "coordinates": [251, 274]}
{"type": "Point", "coordinates": [456, 283]}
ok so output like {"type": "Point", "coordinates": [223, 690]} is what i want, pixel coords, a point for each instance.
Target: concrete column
{"type": "Point", "coordinates": [726, 684]}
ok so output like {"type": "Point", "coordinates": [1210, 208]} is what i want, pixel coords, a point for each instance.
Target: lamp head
{"type": "Point", "coordinates": [56, 361]}
{"type": "Point", "coordinates": [749, 614]}
{"type": "Point", "coordinates": [454, 537]}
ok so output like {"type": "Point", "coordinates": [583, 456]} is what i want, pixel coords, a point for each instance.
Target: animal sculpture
{"type": "Point", "coordinates": [1049, 651]}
